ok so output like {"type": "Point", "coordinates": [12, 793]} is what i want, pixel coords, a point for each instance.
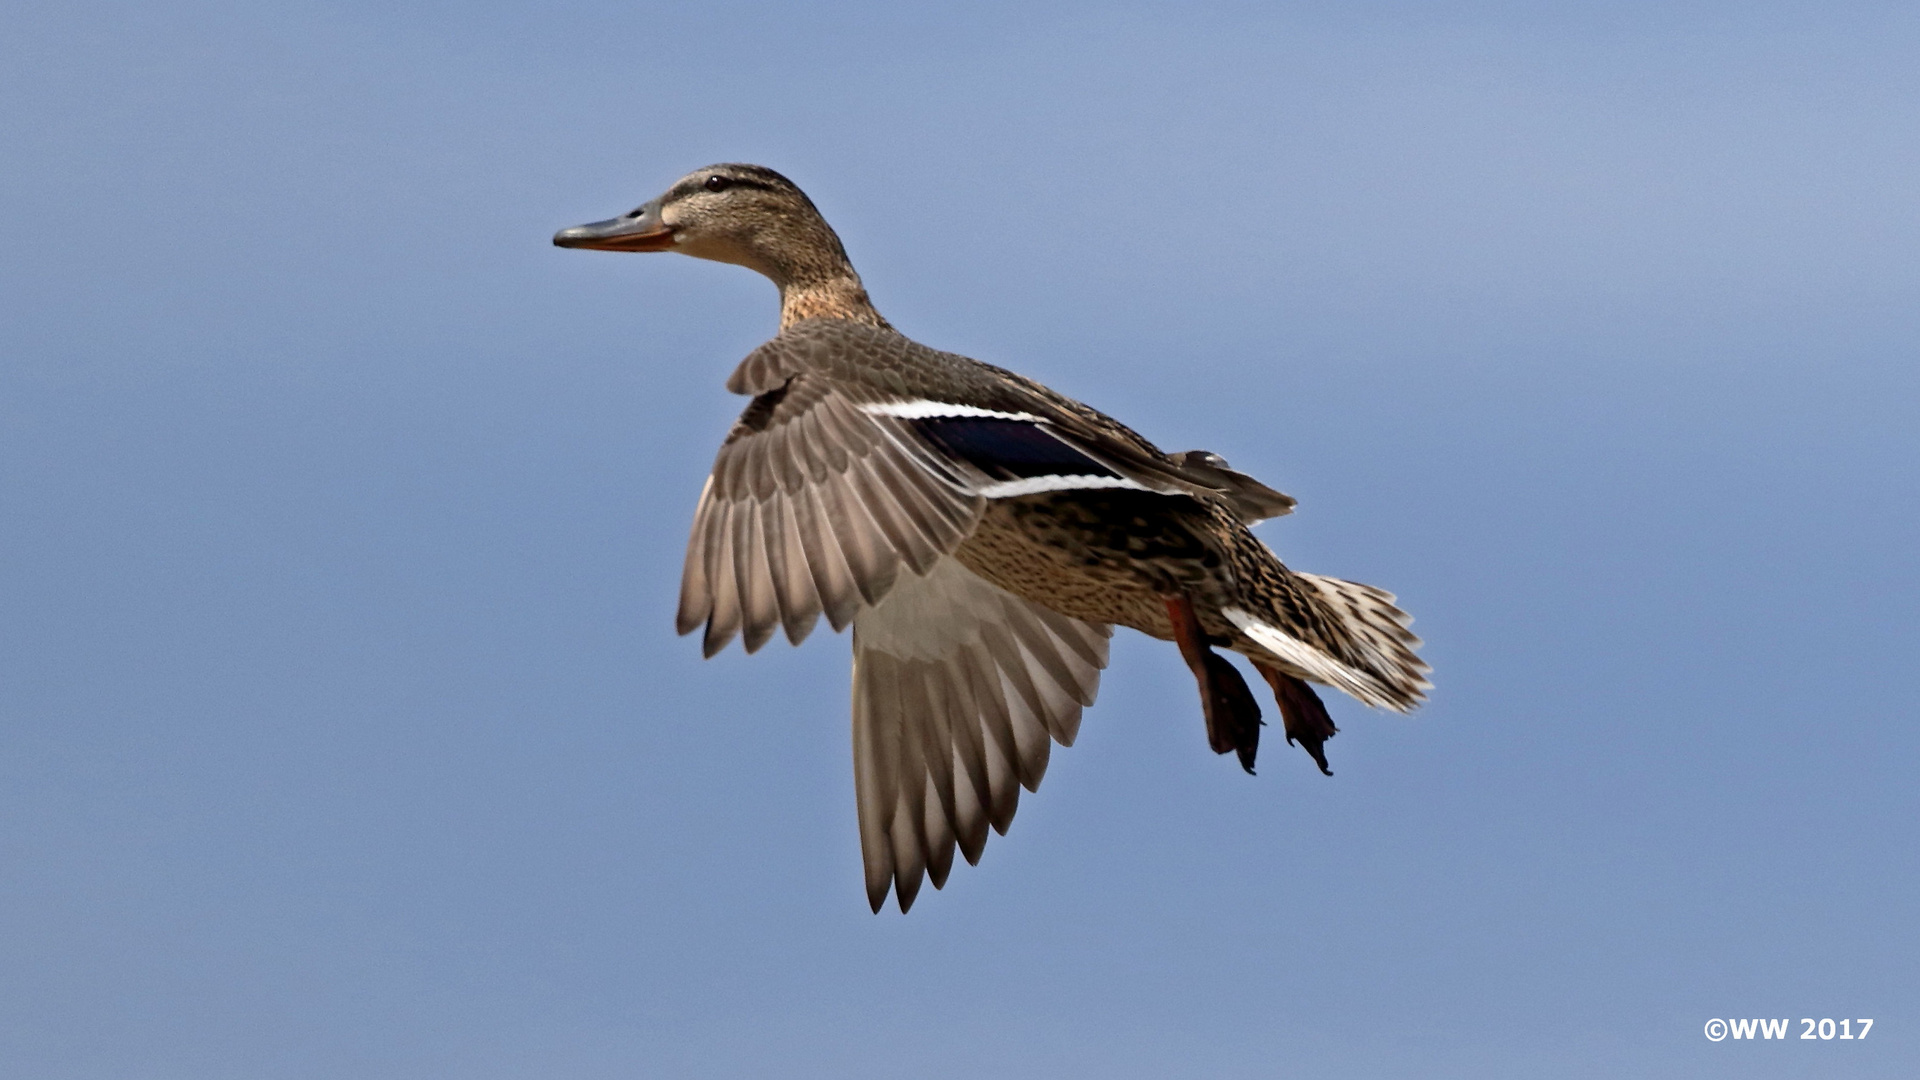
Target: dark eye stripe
{"type": "Point", "coordinates": [693, 187]}
{"type": "Point", "coordinates": [723, 183]}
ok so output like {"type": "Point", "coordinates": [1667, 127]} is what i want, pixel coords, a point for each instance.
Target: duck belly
{"type": "Point", "coordinates": [1102, 556]}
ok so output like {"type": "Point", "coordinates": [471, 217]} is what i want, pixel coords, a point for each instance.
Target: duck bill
{"type": "Point", "coordinates": [643, 231]}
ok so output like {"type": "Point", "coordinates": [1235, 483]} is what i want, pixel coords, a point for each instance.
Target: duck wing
{"type": "Point", "coordinates": [959, 687]}
{"type": "Point", "coordinates": [813, 506]}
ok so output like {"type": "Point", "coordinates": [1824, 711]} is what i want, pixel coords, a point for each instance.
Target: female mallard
{"type": "Point", "coordinates": [983, 535]}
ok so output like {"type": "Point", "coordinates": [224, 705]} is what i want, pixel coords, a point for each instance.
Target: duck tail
{"type": "Point", "coordinates": [1364, 647]}
{"type": "Point", "coordinates": [1377, 640]}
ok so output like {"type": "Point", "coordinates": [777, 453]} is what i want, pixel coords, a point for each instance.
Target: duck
{"type": "Point", "coordinates": [983, 536]}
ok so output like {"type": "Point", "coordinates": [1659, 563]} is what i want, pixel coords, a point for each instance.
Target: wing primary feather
{"type": "Point", "coordinates": [725, 620]}
{"type": "Point", "coordinates": [696, 596]}
{"type": "Point", "coordinates": [936, 744]}
{"type": "Point", "coordinates": [894, 776]}
{"type": "Point", "coordinates": [972, 790]}
{"type": "Point", "coordinates": [1025, 707]}
{"type": "Point", "coordinates": [873, 784]}
{"type": "Point", "coordinates": [1003, 770]}
{"type": "Point", "coordinates": [910, 779]}
{"type": "Point", "coordinates": [939, 841]}
{"type": "Point", "coordinates": [901, 537]}
{"type": "Point", "coordinates": [909, 865]}
{"type": "Point", "coordinates": [833, 580]}
{"type": "Point", "coordinates": [759, 610]}
{"type": "Point", "coordinates": [1045, 651]}
{"type": "Point", "coordinates": [971, 833]}
{"type": "Point", "coordinates": [874, 565]}
{"type": "Point", "coordinates": [787, 561]}
{"type": "Point", "coordinates": [922, 714]}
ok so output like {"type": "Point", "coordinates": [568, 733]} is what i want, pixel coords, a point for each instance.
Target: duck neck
{"type": "Point", "coordinates": [816, 279]}
{"type": "Point", "coordinates": [838, 297]}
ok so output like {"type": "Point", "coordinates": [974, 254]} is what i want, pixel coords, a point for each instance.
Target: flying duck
{"type": "Point", "coordinates": [983, 535]}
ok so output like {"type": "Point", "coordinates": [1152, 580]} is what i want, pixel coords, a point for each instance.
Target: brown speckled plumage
{"type": "Point", "coordinates": [982, 534]}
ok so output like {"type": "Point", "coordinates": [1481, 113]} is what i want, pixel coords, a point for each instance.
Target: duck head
{"type": "Point", "coordinates": [751, 216]}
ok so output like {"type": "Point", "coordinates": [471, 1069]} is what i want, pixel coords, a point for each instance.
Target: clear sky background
{"type": "Point", "coordinates": [343, 730]}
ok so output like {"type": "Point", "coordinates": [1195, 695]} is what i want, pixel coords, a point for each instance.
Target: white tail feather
{"type": "Point", "coordinates": [1378, 666]}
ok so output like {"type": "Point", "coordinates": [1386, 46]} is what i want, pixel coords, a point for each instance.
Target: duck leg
{"type": "Point", "coordinates": [1301, 710]}
{"type": "Point", "coordinates": [1233, 717]}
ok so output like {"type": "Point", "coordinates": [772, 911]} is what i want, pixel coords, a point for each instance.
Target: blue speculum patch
{"type": "Point", "coordinates": [1007, 449]}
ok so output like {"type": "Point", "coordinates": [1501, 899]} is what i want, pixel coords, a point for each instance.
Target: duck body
{"type": "Point", "coordinates": [982, 535]}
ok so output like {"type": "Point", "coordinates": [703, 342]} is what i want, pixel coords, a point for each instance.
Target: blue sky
{"type": "Point", "coordinates": [343, 731]}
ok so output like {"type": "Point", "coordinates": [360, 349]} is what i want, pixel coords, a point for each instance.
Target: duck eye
{"type": "Point", "coordinates": [718, 183]}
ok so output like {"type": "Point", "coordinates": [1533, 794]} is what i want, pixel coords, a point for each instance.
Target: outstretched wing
{"type": "Point", "coordinates": [814, 505]}
{"type": "Point", "coordinates": [958, 688]}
